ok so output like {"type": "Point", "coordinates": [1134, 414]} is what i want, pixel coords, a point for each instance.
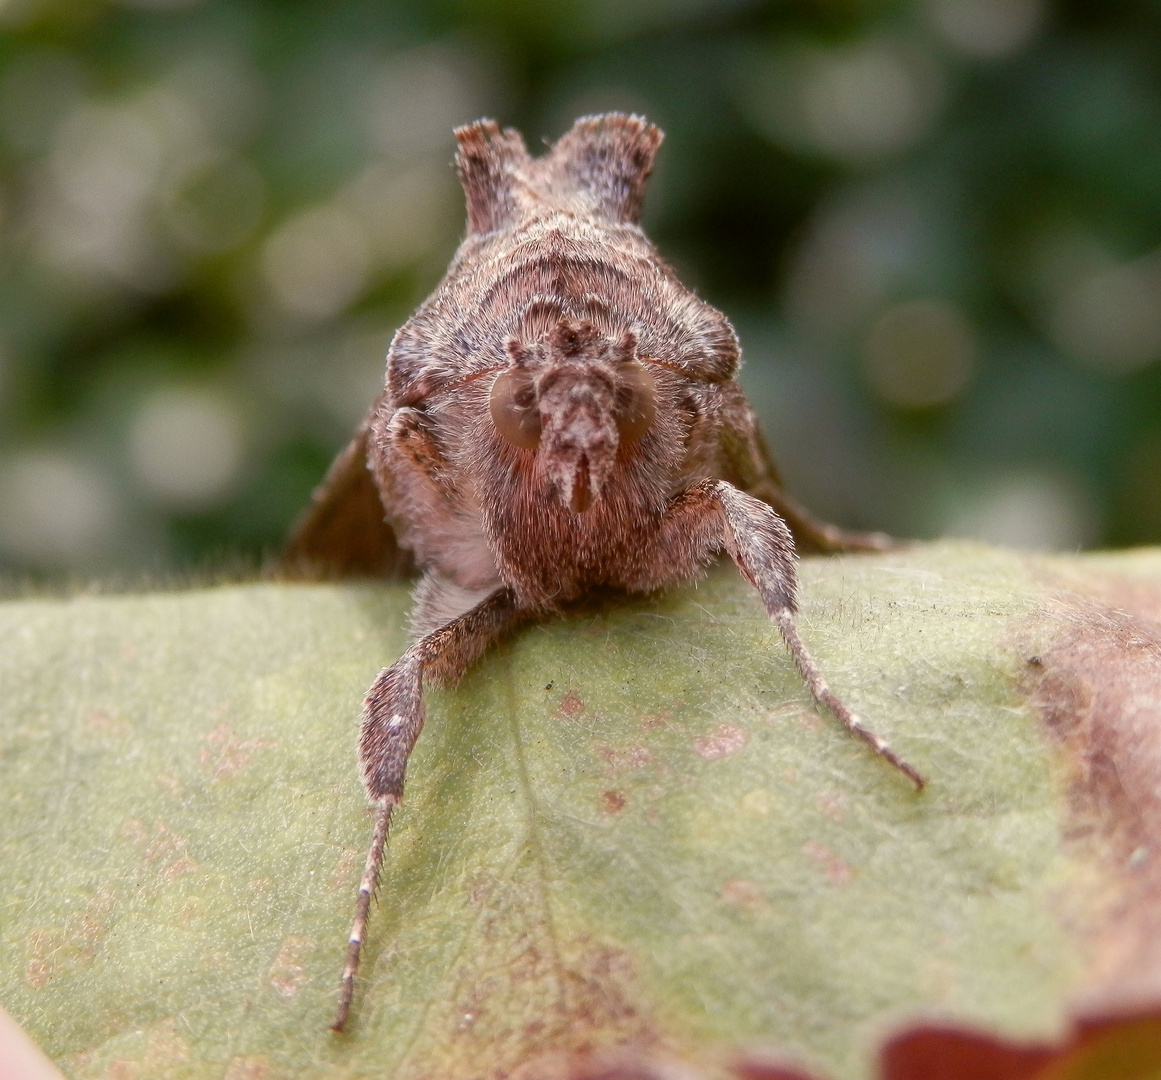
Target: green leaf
{"type": "Point", "coordinates": [627, 825]}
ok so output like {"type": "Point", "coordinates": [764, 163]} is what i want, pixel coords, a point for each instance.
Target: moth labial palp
{"type": "Point", "coordinates": [561, 414]}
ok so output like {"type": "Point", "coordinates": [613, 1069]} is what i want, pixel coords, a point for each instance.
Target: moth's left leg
{"type": "Point", "coordinates": [714, 515]}
{"type": "Point", "coordinates": [393, 715]}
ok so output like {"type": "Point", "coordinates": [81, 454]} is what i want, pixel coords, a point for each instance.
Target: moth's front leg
{"type": "Point", "coordinates": [393, 709]}
{"type": "Point", "coordinates": [392, 720]}
{"type": "Point", "coordinates": [717, 514]}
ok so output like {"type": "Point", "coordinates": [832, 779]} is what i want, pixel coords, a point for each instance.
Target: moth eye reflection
{"type": "Point", "coordinates": [636, 402]}
{"type": "Point", "coordinates": [514, 410]}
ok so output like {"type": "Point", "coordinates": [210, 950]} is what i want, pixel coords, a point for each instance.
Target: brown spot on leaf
{"type": "Point", "coordinates": [91, 921]}
{"type": "Point", "coordinates": [287, 974]}
{"type": "Point", "coordinates": [159, 1051]}
{"type": "Point", "coordinates": [164, 1048]}
{"type": "Point", "coordinates": [608, 1063]}
{"type": "Point", "coordinates": [838, 872]}
{"type": "Point", "coordinates": [522, 995]}
{"type": "Point", "coordinates": [225, 753]}
{"type": "Point", "coordinates": [134, 830]}
{"type": "Point", "coordinates": [612, 802]}
{"type": "Point", "coordinates": [654, 721]}
{"type": "Point", "coordinates": [53, 950]}
{"type": "Point", "coordinates": [1097, 687]}
{"type": "Point", "coordinates": [600, 991]}
{"type": "Point", "coordinates": [346, 866]}
{"type": "Point", "coordinates": [773, 1066]}
{"type": "Point", "coordinates": [480, 889]}
{"type": "Point", "coordinates": [104, 722]}
{"type": "Point", "coordinates": [811, 721]}
{"type": "Point", "coordinates": [831, 804]}
{"type": "Point", "coordinates": [42, 949]}
{"type": "Point", "coordinates": [744, 894]}
{"type": "Point", "coordinates": [618, 758]}
{"type": "Point", "coordinates": [571, 704]}
{"type": "Point", "coordinates": [163, 848]}
{"type": "Point", "coordinates": [726, 740]}
{"type": "Point", "coordinates": [167, 849]}
{"type": "Point", "coordinates": [250, 1067]}
{"type": "Point", "coordinates": [178, 868]}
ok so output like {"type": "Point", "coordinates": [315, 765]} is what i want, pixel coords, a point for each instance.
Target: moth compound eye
{"type": "Point", "coordinates": [636, 402]}
{"type": "Point", "coordinates": [514, 409]}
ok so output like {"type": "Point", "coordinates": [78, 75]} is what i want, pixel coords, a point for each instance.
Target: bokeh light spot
{"type": "Point", "coordinates": [416, 99]}
{"type": "Point", "coordinates": [987, 29]}
{"type": "Point", "coordinates": [867, 100]}
{"type": "Point", "coordinates": [55, 509]}
{"type": "Point", "coordinates": [316, 263]}
{"type": "Point", "coordinates": [1033, 510]}
{"type": "Point", "coordinates": [1110, 320]}
{"type": "Point", "coordinates": [859, 248]}
{"type": "Point", "coordinates": [401, 214]}
{"type": "Point", "coordinates": [185, 447]}
{"type": "Point", "coordinates": [919, 354]}
{"type": "Point", "coordinates": [857, 103]}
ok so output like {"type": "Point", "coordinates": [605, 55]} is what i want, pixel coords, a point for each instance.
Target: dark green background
{"type": "Point", "coordinates": [215, 214]}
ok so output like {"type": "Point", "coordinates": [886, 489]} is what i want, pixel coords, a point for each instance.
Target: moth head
{"type": "Point", "coordinates": [575, 399]}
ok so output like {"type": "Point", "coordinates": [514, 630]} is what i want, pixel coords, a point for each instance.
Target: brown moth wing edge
{"type": "Point", "coordinates": [343, 533]}
{"type": "Point", "coordinates": [750, 467]}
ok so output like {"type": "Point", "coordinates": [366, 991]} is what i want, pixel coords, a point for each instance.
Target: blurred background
{"type": "Point", "coordinates": [935, 223]}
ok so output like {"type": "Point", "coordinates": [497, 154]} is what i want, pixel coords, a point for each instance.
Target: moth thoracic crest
{"type": "Point", "coordinates": [560, 330]}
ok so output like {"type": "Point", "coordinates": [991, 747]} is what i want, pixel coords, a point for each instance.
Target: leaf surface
{"type": "Point", "coordinates": [627, 825]}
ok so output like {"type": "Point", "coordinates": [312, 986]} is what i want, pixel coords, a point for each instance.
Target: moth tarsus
{"type": "Point", "coordinates": [826, 697]}
{"type": "Point", "coordinates": [561, 414]}
{"type": "Point", "coordinates": [367, 886]}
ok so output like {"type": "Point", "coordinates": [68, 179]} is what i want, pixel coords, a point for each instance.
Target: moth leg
{"type": "Point", "coordinates": [392, 720]}
{"type": "Point", "coordinates": [759, 542]}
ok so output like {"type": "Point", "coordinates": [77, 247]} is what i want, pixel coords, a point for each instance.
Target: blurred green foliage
{"type": "Point", "coordinates": [936, 223]}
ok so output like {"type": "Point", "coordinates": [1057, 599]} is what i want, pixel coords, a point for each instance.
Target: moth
{"type": "Point", "coordinates": [561, 414]}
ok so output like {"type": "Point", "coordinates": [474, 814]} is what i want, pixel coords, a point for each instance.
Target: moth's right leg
{"type": "Point", "coordinates": [712, 515]}
{"type": "Point", "coordinates": [392, 720]}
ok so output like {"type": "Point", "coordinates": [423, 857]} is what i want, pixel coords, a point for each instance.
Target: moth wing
{"type": "Point", "coordinates": [344, 531]}
{"type": "Point", "coordinates": [750, 466]}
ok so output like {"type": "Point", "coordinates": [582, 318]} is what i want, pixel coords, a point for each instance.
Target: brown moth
{"type": "Point", "coordinates": [561, 414]}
